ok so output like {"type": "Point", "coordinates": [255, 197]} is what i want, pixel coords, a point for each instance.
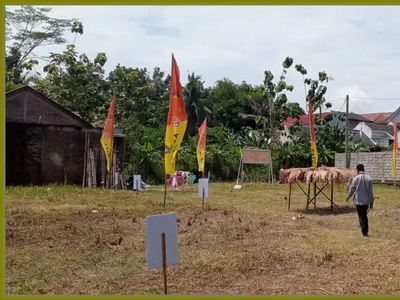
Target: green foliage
{"type": "Point", "coordinates": [239, 115]}
{"type": "Point", "coordinates": [28, 28]}
{"type": "Point", "coordinates": [76, 82]}
{"type": "Point", "coordinates": [196, 108]}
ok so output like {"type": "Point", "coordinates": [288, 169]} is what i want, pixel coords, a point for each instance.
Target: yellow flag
{"type": "Point", "coordinates": [176, 122]}
{"type": "Point", "coordinates": [314, 152]}
{"type": "Point", "coordinates": [201, 146]}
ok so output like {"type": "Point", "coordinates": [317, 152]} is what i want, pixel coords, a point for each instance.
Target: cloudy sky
{"type": "Point", "coordinates": [358, 46]}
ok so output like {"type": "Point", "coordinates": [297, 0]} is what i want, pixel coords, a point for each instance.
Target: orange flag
{"type": "Point", "coordinates": [107, 138]}
{"type": "Point", "coordinates": [314, 153]}
{"type": "Point", "coordinates": [176, 122]}
{"type": "Point", "coordinates": [201, 146]}
{"type": "Point", "coordinates": [395, 149]}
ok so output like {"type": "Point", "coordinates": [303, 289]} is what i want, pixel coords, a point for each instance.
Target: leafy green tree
{"type": "Point", "coordinates": [316, 88]}
{"type": "Point", "coordinates": [195, 103]}
{"type": "Point", "coordinates": [270, 106]}
{"type": "Point", "coordinates": [227, 101]}
{"type": "Point", "coordinates": [28, 28]}
{"type": "Point", "coordinates": [76, 82]}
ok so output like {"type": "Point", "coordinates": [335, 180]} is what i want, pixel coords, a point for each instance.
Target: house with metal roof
{"type": "Point", "coordinates": [378, 134]}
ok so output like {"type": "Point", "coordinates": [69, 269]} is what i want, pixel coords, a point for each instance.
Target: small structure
{"type": "Point", "coordinates": [319, 178]}
{"type": "Point", "coordinates": [48, 144]}
{"type": "Point", "coordinates": [255, 157]}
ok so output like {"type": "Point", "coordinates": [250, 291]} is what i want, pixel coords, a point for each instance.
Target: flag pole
{"type": "Point", "coordinates": [205, 147]}
{"type": "Point", "coordinates": [165, 177]}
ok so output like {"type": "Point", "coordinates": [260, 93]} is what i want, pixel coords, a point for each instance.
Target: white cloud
{"type": "Point", "coordinates": [358, 45]}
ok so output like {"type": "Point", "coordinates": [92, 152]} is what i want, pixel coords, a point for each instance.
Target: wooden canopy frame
{"type": "Point", "coordinates": [319, 178]}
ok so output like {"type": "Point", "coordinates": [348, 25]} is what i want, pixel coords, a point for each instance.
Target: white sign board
{"type": "Point", "coordinates": [156, 225]}
{"type": "Point", "coordinates": [203, 188]}
{"type": "Point", "coordinates": [137, 182]}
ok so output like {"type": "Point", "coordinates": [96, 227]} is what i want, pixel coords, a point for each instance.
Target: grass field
{"type": "Point", "coordinates": [246, 242]}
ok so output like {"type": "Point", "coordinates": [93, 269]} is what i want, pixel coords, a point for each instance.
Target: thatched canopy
{"type": "Point", "coordinates": [319, 174]}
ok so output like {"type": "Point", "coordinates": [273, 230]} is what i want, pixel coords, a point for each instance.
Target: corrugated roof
{"type": "Point", "coordinates": [380, 118]}
{"type": "Point", "coordinates": [382, 127]}
{"type": "Point", "coordinates": [54, 104]}
{"type": "Point", "coordinates": [304, 118]}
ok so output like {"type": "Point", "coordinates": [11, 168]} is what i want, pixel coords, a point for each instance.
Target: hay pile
{"type": "Point", "coordinates": [319, 174]}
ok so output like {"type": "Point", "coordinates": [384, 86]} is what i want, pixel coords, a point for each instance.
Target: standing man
{"type": "Point", "coordinates": [363, 196]}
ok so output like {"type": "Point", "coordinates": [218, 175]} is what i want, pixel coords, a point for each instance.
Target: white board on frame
{"type": "Point", "coordinates": [137, 182]}
{"type": "Point", "coordinates": [156, 225]}
{"type": "Point", "coordinates": [203, 188]}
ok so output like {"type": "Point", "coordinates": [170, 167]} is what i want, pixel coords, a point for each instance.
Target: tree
{"type": "Point", "coordinates": [76, 82]}
{"type": "Point", "coordinates": [270, 106]}
{"type": "Point", "coordinates": [316, 88]}
{"type": "Point", "coordinates": [227, 101]}
{"type": "Point", "coordinates": [141, 97]}
{"type": "Point", "coordinates": [195, 103]}
{"type": "Point", "coordinates": [28, 28]}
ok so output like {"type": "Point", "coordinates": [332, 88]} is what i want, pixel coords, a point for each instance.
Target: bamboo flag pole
{"type": "Point", "coordinates": [166, 175]}
{"type": "Point", "coordinates": [395, 150]}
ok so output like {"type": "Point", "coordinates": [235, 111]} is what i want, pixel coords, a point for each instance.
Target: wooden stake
{"type": "Point", "coordinates": [164, 262]}
{"type": "Point", "coordinates": [165, 191]}
{"type": "Point", "coordinates": [315, 195]}
{"type": "Point", "coordinates": [290, 195]}
{"type": "Point", "coordinates": [85, 160]}
{"type": "Point", "coordinates": [203, 197]}
{"type": "Point", "coordinates": [331, 194]}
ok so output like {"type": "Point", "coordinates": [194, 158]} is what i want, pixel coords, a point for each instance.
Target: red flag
{"type": "Point", "coordinates": [107, 138]}
{"type": "Point", "coordinates": [201, 146]}
{"type": "Point", "coordinates": [177, 121]}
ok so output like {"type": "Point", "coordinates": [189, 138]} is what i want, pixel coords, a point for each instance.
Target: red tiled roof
{"type": "Point", "coordinates": [303, 119]}
{"type": "Point", "coordinates": [380, 118]}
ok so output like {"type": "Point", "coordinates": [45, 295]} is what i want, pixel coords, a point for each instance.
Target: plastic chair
{"type": "Point", "coordinates": [192, 178]}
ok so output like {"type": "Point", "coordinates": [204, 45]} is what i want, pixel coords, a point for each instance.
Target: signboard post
{"type": "Point", "coordinates": [162, 243]}
{"type": "Point", "coordinates": [137, 182]}
{"type": "Point", "coordinates": [255, 157]}
{"type": "Point", "coordinates": [203, 189]}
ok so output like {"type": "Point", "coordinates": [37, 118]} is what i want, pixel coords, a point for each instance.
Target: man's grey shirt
{"type": "Point", "coordinates": [361, 190]}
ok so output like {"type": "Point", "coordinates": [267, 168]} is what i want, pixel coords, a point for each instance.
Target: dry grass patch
{"type": "Point", "coordinates": [69, 240]}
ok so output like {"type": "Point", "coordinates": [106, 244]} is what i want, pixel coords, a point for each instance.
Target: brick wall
{"type": "Point", "coordinates": [37, 154]}
{"type": "Point", "coordinates": [377, 164]}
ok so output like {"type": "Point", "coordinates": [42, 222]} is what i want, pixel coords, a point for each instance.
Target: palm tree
{"type": "Point", "coordinates": [195, 103]}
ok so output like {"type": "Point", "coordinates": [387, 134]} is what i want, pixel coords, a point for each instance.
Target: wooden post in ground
{"type": "Point", "coordinates": [164, 262]}
{"type": "Point", "coordinates": [331, 194]}
{"type": "Point", "coordinates": [165, 191]}
{"type": "Point", "coordinates": [85, 159]}
{"type": "Point", "coordinates": [315, 195]}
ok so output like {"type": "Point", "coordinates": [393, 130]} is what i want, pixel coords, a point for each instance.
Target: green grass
{"type": "Point", "coordinates": [246, 242]}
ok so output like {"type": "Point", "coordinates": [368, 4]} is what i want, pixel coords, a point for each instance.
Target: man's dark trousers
{"type": "Point", "coordinates": [362, 211]}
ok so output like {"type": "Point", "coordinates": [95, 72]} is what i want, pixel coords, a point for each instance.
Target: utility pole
{"type": "Point", "coordinates": [347, 133]}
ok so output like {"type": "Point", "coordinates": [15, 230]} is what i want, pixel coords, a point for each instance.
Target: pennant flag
{"type": "Point", "coordinates": [176, 122]}
{"type": "Point", "coordinates": [395, 149]}
{"type": "Point", "coordinates": [314, 153]}
{"type": "Point", "coordinates": [201, 146]}
{"type": "Point", "coordinates": [107, 138]}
